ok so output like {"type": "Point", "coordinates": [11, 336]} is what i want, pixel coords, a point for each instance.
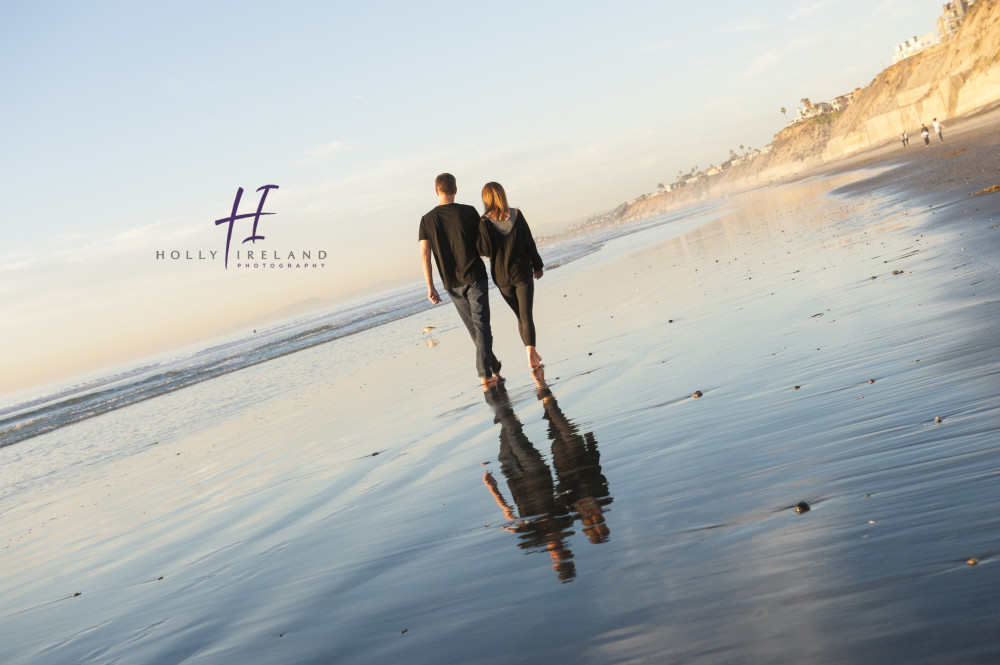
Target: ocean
{"type": "Point", "coordinates": [101, 393]}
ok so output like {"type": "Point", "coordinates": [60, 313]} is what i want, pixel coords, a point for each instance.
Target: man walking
{"type": "Point", "coordinates": [451, 232]}
{"type": "Point", "coordinates": [938, 126]}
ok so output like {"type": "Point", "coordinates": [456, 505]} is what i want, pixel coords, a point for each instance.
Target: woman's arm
{"type": "Point", "coordinates": [530, 248]}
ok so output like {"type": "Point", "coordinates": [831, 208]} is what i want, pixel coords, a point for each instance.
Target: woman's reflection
{"type": "Point", "coordinates": [545, 510]}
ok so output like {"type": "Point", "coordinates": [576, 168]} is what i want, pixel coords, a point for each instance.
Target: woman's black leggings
{"type": "Point", "coordinates": [520, 297]}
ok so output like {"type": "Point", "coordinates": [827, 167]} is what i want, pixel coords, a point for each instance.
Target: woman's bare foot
{"type": "Point", "coordinates": [534, 359]}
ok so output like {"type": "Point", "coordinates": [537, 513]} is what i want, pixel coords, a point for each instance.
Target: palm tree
{"type": "Point", "coordinates": [784, 113]}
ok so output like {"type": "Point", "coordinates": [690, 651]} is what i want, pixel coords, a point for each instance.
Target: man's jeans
{"type": "Point", "coordinates": [473, 304]}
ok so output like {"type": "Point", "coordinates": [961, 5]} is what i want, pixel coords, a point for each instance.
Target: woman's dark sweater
{"type": "Point", "coordinates": [513, 257]}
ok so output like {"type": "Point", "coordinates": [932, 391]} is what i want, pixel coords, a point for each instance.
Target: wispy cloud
{"type": "Point", "coordinates": [379, 191]}
{"type": "Point", "coordinates": [762, 63]}
{"type": "Point", "coordinates": [889, 12]}
{"type": "Point", "coordinates": [77, 247]}
{"type": "Point", "coordinates": [802, 47]}
{"type": "Point", "coordinates": [655, 48]}
{"type": "Point", "coordinates": [323, 151]}
{"type": "Point", "coordinates": [808, 10]}
{"type": "Point", "coordinates": [750, 26]}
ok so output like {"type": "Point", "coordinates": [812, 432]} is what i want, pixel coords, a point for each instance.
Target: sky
{"type": "Point", "coordinates": [127, 128]}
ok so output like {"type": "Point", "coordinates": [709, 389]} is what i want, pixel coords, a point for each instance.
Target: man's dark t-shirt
{"type": "Point", "coordinates": [452, 230]}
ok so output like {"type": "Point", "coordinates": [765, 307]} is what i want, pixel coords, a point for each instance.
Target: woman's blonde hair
{"type": "Point", "coordinates": [495, 200]}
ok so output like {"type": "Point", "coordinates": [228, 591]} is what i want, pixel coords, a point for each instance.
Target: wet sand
{"type": "Point", "coordinates": [366, 502]}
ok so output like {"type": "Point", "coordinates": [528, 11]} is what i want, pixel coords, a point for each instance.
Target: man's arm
{"type": "Point", "coordinates": [425, 260]}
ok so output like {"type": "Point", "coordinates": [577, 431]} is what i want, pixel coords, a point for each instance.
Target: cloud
{"type": "Point", "coordinates": [762, 63]}
{"type": "Point", "coordinates": [376, 195]}
{"type": "Point", "coordinates": [808, 10]}
{"type": "Point", "coordinates": [655, 48]}
{"type": "Point", "coordinates": [322, 152]}
{"type": "Point", "coordinates": [78, 247]}
{"type": "Point", "coordinates": [752, 26]}
{"type": "Point", "coordinates": [800, 48]}
{"type": "Point", "coordinates": [381, 182]}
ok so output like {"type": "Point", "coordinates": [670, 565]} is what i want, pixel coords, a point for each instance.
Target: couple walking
{"type": "Point", "coordinates": [458, 238]}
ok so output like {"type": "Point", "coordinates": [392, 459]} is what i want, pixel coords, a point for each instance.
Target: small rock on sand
{"type": "Point", "coordinates": [801, 507]}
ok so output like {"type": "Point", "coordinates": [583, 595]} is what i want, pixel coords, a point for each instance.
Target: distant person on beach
{"type": "Point", "coordinates": [451, 233]}
{"type": "Point", "coordinates": [937, 129]}
{"type": "Point", "coordinates": [924, 132]}
{"type": "Point", "coordinates": [514, 261]}
{"type": "Point", "coordinates": [905, 138]}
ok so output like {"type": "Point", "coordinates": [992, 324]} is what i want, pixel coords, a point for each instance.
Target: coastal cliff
{"type": "Point", "coordinates": [944, 81]}
{"type": "Point", "coordinates": [952, 79]}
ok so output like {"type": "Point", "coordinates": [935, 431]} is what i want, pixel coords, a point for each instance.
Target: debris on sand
{"type": "Point", "coordinates": [801, 507]}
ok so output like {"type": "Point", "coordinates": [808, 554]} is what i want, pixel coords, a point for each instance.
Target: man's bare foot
{"type": "Point", "coordinates": [534, 359]}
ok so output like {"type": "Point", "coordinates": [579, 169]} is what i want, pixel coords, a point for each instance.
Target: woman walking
{"type": "Point", "coordinates": [514, 261]}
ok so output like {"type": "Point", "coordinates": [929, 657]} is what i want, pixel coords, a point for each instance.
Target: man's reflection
{"type": "Point", "coordinates": [545, 510]}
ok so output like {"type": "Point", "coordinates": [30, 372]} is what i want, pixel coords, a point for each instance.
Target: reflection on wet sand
{"type": "Point", "coordinates": [544, 510]}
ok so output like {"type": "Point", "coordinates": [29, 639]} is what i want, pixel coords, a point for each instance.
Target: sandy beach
{"type": "Point", "coordinates": [365, 501]}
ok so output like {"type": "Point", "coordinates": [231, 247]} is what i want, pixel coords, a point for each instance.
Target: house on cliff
{"type": "Point", "coordinates": [843, 101]}
{"type": "Point", "coordinates": [914, 46]}
{"type": "Point", "coordinates": [812, 110]}
{"type": "Point", "coordinates": [951, 19]}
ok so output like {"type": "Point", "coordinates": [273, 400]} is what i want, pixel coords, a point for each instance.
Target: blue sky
{"type": "Point", "coordinates": [127, 128]}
